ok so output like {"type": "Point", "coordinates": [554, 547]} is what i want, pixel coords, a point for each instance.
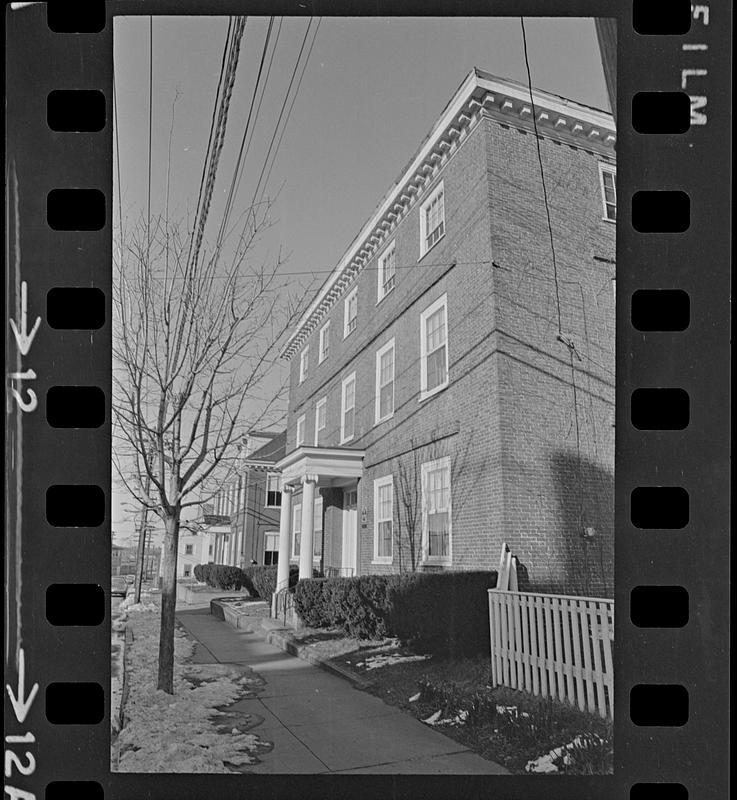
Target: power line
{"type": "Point", "coordinates": [281, 113]}
{"type": "Point", "coordinates": [240, 160]}
{"type": "Point", "coordinates": [542, 174]}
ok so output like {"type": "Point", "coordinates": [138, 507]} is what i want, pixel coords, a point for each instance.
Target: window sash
{"type": "Point", "coordinates": [434, 219]}
{"type": "Point", "coordinates": [273, 492]}
{"type": "Point", "coordinates": [436, 375]}
{"type": "Point", "coordinates": [385, 382]}
{"type": "Point", "coordinates": [609, 193]}
{"type": "Point", "coordinates": [324, 341]}
{"type": "Point", "coordinates": [348, 410]}
{"type": "Point", "coordinates": [436, 500]}
{"type": "Point", "coordinates": [387, 271]}
{"type": "Point", "coordinates": [384, 519]}
{"type": "Point", "coordinates": [296, 528]}
{"type": "Point", "coordinates": [435, 346]}
{"type": "Point", "coordinates": [303, 364]}
{"type": "Point", "coordinates": [317, 528]}
{"type": "Point", "coordinates": [300, 436]}
{"type": "Point", "coordinates": [351, 312]}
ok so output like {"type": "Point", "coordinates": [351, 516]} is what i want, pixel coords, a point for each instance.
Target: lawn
{"type": "Point", "coordinates": [508, 727]}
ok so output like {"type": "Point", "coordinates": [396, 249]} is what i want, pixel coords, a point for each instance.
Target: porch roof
{"type": "Point", "coordinates": [330, 465]}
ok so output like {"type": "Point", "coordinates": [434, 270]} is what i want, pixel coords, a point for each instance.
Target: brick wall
{"type": "Point", "coordinates": [529, 466]}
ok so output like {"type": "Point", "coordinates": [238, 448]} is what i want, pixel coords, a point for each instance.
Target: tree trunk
{"type": "Point", "coordinates": [168, 603]}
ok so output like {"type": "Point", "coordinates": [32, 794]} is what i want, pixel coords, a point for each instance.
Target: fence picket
{"type": "Point", "coordinates": [577, 660]}
{"type": "Point", "coordinates": [550, 661]}
{"type": "Point", "coordinates": [505, 640]}
{"type": "Point", "coordinates": [516, 616]}
{"type": "Point", "coordinates": [492, 659]}
{"type": "Point", "coordinates": [598, 667]}
{"type": "Point", "coordinates": [586, 645]}
{"type": "Point", "coordinates": [559, 656]}
{"type": "Point", "coordinates": [567, 655]}
{"type": "Point", "coordinates": [606, 641]}
{"type": "Point", "coordinates": [533, 647]}
{"type": "Point", "coordinates": [540, 624]}
{"type": "Point", "coordinates": [524, 600]}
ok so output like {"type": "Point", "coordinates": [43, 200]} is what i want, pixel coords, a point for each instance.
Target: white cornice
{"type": "Point", "coordinates": [481, 95]}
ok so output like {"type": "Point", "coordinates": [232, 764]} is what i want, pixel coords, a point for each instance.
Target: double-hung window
{"type": "Point", "coordinates": [385, 382]}
{"type": "Point", "coordinates": [350, 312]}
{"type": "Point", "coordinates": [296, 528]}
{"type": "Point", "coordinates": [432, 220]}
{"type": "Point", "coordinates": [324, 348]}
{"type": "Point", "coordinates": [348, 408]}
{"type": "Point", "coordinates": [273, 491]}
{"type": "Point", "coordinates": [317, 529]}
{"type": "Point", "coordinates": [387, 271]}
{"type": "Point", "coordinates": [300, 440]}
{"type": "Point", "coordinates": [436, 510]}
{"type": "Point", "coordinates": [271, 548]}
{"type": "Point", "coordinates": [383, 519]}
{"type": "Point", "coordinates": [434, 347]}
{"type": "Point", "coordinates": [304, 364]}
{"type": "Point", "coordinates": [321, 418]}
{"type": "Point", "coordinates": [188, 549]}
{"type": "Point", "coordinates": [607, 178]}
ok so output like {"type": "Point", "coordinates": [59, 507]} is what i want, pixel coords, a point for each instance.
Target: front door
{"type": "Point", "coordinates": [350, 531]}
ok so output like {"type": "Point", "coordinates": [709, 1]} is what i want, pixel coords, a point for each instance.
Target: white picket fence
{"type": "Point", "coordinates": [554, 645]}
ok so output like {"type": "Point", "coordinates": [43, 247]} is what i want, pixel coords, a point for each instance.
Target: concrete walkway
{"type": "Point", "coordinates": [318, 722]}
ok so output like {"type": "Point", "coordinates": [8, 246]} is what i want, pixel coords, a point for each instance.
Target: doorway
{"type": "Point", "coordinates": [349, 563]}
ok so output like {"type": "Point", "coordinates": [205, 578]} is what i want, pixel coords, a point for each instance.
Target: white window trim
{"type": "Point", "coordinates": [303, 364]}
{"type": "Point", "coordinates": [380, 293]}
{"type": "Point", "coordinates": [322, 354]}
{"type": "Point", "coordinates": [296, 516]}
{"type": "Point", "coordinates": [318, 502]}
{"type": "Point", "coordinates": [377, 403]}
{"type": "Point", "coordinates": [378, 483]}
{"type": "Point", "coordinates": [603, 167]}
{"type": "Point", "coordinates": [320, 404]}
{"type": "Point", "coordinates": [424, 469]}
{"type": "Point", "coordinates": [343, 409]}
{"type": "Point", "coordinates": [273, 534]}
{"type": "Point", "coordinates": [266, 499]}
{"type": "Point", "coordinates": [441, 302]}
{"type": "Point", "coordinates": [424, 250]}
{"type": "Point", "coordinates": [298, 442]}
{"type": "Point", "coordinates": [353, 293]}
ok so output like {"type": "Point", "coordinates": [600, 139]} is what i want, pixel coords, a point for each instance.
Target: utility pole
{"type": "Point", "coordinates": [141, 551]}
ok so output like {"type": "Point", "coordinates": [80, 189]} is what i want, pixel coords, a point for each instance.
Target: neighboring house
{"type": "Point", "coordinates": [251, 504]}
{"type": "Point", "coordinates": [116, 559]}
{"type": "Point", "coordinates": [195, 547]}
{"type": "Point", "coordinates": [451, 387]}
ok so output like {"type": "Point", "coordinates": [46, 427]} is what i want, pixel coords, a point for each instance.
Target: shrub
{"type": "Point", "coordinates": [440, 613]}
{"type": "Point", "coordinates": [261, 580]}
{"type": "Point", "coordinates": [220, 576]}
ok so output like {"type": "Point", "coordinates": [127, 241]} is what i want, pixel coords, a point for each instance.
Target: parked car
{"type": "Point", "coordinates": [119, 586]}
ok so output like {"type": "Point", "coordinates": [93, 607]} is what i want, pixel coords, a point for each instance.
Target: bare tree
{"type": "Point", "coordinates": [196, 340]}
{"type": "Point", "coordinates": [408, 536]}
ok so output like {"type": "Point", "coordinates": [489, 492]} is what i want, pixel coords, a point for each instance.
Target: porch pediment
{"type": "Point", "coordinates": [331, 465]}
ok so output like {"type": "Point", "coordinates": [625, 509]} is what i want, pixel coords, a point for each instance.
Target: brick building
{"type": "Point", "coordinates": [452, 387]}
{"type": "Point", "coordinates": [247, 507]}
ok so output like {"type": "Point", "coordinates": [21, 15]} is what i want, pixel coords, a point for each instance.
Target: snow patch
{"type": "Point", "coordinates": [375, 662]}
{"type": "Point", "coordinates": [546, 763]}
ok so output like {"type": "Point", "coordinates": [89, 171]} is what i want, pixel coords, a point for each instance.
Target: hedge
{"type": "Point", "coordinates": [442, 613]}
{"type": "Point", "coordinates": [220, 576]}
{"type": "Point", "coordinates": [259, 581]}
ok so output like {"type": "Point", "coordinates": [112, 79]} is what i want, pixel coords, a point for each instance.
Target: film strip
{"type": "Point", "coordinates": [672, 473]}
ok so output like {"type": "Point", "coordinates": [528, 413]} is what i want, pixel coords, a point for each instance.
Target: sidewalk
{"type": "Point", "coordinates": [318, 722]}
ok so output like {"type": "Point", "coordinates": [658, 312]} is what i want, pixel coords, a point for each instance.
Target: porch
{"type": "Point", "coordinates": [311, 469]}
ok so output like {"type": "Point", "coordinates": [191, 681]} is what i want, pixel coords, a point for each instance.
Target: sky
{"type": "Point", "coordinates": [372, 89]}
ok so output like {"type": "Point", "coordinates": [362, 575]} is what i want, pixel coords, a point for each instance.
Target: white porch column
{"type": "Point", "coordinates": [285, 529]}
{"type": "Point", "coordinates": [309, 483]}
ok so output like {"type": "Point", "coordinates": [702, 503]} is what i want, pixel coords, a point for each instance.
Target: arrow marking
{"type": "Point", "coordinates": [22, 337]}
{"type": "Point", "coordinates": [21, 704]}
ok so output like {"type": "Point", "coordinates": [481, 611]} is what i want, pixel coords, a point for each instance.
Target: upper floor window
{"type": "Point", "coordinates": [350, 311]}
{"type": "Point", "coordinates": [436, 510]}
{"type": "Point", "coordinates": [434, 347]}
{"type": "Point", "coordinates": [188, 549]}
{"type": "Point", "coordinates": [324, 350]}
{"type": "Point", "coordinates": [300, 439]}
{"type": "Point", "coordinates": [387, 270]}
{"type": "Point", "coordinates": [271, 548]}
{"type": "Point", "coordinates": [432, 220]}
{"type": "Point", "coordinates": [303, 363]}
{"type": "Point", "coordinates": [607, 176]}
{"type": "Point", "coordinates": [385, 382]}
{"type": "Point", "coordinates": [348, 408]}
{"type": "Point", "coordinates": [383, 519]}
{"type": "Point", "coordinates": [321, 418]}
{"type": "Point", "coordinates": [273, 491]}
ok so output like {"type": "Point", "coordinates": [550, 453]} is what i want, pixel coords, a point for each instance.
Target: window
{"type": "Point", "coordinates": [348, 409]}
{"type": "Point", "coordinates": [383, 519]}
{"type": "Point", "coordinates": [271, 548]}
{"type": "Point", "coordinates": [385, 382]}
{"type": "Point", "coordinates": [273, 491]}
{"type": "Point", "coordinates": [387, 271]}
{"type": "Point", "coordinates": [436, 510]}
{"type": "Point", "coordinates": [300, 431]}
{"type": "Point", "coordinates": [187, 570]}
{"type": "Point", "coordinates": [303, 365]}
{"type": "Point", "coordinates": [350, 313]}
{"type": "Point", "coordinates": [209, 550]}
{"type": "Point", "coordinates": [188, 549]}
{"type": "Point", "coordinates": [324, 351]}
{"type": "Point", "coordinates": [296, 528]}
{"type": "Point", "coordinates": [434, 348]}
{"type": "Point", "coordinates": [432, 220]}
{"type": "Point", "coordinates": [317, 534]}
{"type": "Point", "coordinates": [321, 418]}
{"type": "Point", "coordinates": [607, 176]}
